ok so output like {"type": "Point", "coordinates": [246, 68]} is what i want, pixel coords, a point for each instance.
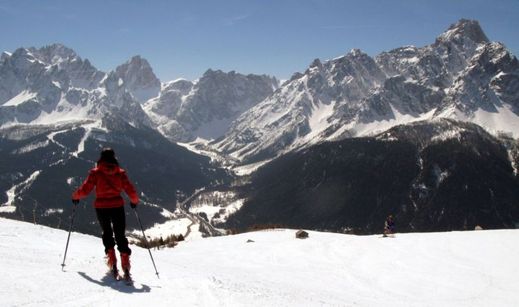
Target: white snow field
{"type": "Point", "coordinates": [473, 268]}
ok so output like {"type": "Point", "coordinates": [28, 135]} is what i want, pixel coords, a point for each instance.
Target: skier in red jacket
{"type": "Point", "coordinates": [110, 180]}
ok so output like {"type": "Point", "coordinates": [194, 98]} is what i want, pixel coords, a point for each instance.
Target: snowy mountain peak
{"type": "Point", "coordinates": [53, 84]}
{"type": "Point", "coordinates": [21, 59]}
{"type": "Point", "coordinates": [316, 63]}
{"type": "Point", "coordinates": [356, 53]}
{"type": "Point", "coordinates": [138, 60]}
{"type": "Point", "coordinates": [54, 54]}
{"type": "Point", "coordinates": [139, 78]}
{"type": "Point", "coordinates": [178, 84]}
{"type": "Point", "coordinates": [205, 108]}
{"type": "Point", "coordinates": [56, 61]}
{"type": "Point", "coordinates": [462, 76]}
{"type": "Point", "coordinates": [462, 30]}
{"type": "Point", "coordinates": [5, 55]}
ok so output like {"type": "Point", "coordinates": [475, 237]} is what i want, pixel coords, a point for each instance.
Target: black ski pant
{"type": "Point", "coordinates": [113, 222]}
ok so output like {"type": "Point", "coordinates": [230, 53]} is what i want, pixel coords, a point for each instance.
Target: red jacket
{"type": "Point", "coordinates": [109, 180]}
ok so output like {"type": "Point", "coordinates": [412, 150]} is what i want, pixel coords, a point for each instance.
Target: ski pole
{"type": "Point", "coordinates": [69, 231]}
{"type": "Point", "coordinates": [146, 241]}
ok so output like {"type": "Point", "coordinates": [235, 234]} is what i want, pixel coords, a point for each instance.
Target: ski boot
{"type": "Point", "coordinates": [111, 262]}
{"type": "Point", "coordinates": [125, 264]}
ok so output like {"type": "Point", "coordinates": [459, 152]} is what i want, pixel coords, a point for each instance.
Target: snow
{"type": "Point", "coordinates": [51, 136]}
{"type": "Point", "coordinates": [223, 203]}
{"type": "Point", "coordinates": [502, 120]}
{"type": "Point", "coordinates": [385, 124]}
{"type": "Point", "coordinates": [31, 147]}
{"type": "Point", "coordinates": [213, 129]}
{"type": "Point", "coordinates": [172, 227]}
{"type": "Point", "coordinates": [449, 34]}
{"type": "Point", "coordinates": [413, 60]}
{"type": "Point", "coordinates": [102, 81]}
{"type": "Point", "coordinates": [195, 234]}
{"type": "Point", "coordinates": [472, 268]}
{"type": "Point", "coordinates": [454, 133]}
{"type": "Point", "coordinates": [193, 145]}
{"type": "Point", "coordinates": [229, 210]}
{"type": "Point", "coordinates": [237, 154]}
{"type": "Point", "coordinates": [208, 209]}
{"type": "Point", "coordinates": [88, 129]}
{"type": "Point", "coordinates": [8, 206]}
{"type": "Point", "coordinates": [65, 112]}
{"type": "Point", "coordinates": [89, 126]}
{"type": "Point", "coordinates": [248, 169]}
{"type": "Point", "coordinates": [20, 98]}
{"type": "Point", "coordinates": [164, 85]}
{"type": "Point", "coordinates": [512, 162]}
{"type": "Point", "coordinates": [53, 211]}
{"type": "Point", "coordinates": [318, 120]}
{"type": "Point", "coordinates": [440, 174]}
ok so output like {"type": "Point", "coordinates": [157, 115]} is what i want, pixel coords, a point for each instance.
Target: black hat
{"type": "Point", "coordinates": [108, 156]}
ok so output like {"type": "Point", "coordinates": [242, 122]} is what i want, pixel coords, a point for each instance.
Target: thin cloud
{"type": "Point", "coordinates": [236, 19]}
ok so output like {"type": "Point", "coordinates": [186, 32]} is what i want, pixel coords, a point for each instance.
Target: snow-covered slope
{"type": "Point", "coordinates": [476, 268]}
{"type": "Point", "coordinates": [462, 75]}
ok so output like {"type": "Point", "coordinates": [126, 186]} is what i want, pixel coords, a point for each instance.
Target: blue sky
{"type": "Point", "coordinates": [185, 38]}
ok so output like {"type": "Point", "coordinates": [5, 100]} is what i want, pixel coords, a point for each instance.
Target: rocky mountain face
{"type": "Point", "coordinates": [80, 72]}
{"type": "Point", "coordinates": [462, 75]}
{"type": "Point", "coordinates": [205, 108]}
{"type": "Point", "coordinates": [436, 175]}
{"type": "Point", "coordinates": [53, 84]}
{"type": "Point", "coordinates": [139, 79]}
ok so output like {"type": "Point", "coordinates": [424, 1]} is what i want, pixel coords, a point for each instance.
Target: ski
{"type": "Point", "coordinates": [127, 277]}
{"type": "Point", "coordinates": [114, 272]}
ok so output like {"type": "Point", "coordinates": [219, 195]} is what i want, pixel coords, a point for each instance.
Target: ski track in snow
{"type": "Point", "coordinates": [8, 206]}
{"type": "Point", "coordinates": [472, 268]}
{"type": "Point", "coordinates": [81, 146]}
{"type": "Point", "coordinates": [51, 136]}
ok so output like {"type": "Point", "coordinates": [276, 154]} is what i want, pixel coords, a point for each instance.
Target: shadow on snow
{"type": "Point", "coordinates": [108, 281]}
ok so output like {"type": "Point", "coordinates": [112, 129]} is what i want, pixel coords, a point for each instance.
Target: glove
{"type": "Point", "coordinates": [75, 201]}
{"type": "Point", "coordinates": [133, 205]}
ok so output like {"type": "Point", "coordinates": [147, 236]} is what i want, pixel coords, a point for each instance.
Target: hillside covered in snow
{"type": "Point", "coordinates": [473, 268]}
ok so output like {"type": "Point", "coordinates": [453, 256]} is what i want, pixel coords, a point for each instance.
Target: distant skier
{"type": "Point", "coordinates": [389, 226]}
{"type": "Point", "coordinates": [109, 181]}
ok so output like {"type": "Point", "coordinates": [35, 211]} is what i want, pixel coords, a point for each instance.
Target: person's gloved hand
{"type": "Point", "coordinates": [133, 205]}
{"type": "Point", "coordinates": [75, 201]}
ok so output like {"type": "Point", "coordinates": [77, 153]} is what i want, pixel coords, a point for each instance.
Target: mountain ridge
{"type": "Point", "coordinates": [462, 75]}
